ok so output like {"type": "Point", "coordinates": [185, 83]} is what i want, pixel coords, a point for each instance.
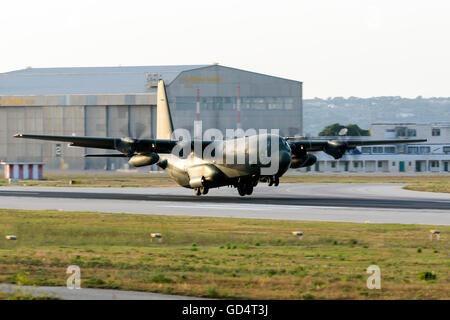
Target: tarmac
{"type": "Point", "coordinates": [338, 202]}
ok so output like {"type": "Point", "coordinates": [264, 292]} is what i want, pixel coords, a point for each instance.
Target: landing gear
{"type": "Point", "coordinates": [204, 190]}
{"type": "Point", "coordinates": [273, 181]}
{"type": "Point", "coordinates": [276, 181]}
{"type": "Point", "coordinates": [245, 187]}
{"type": "Point", "coordinates": [200, 191]}
{"type": "Point", "coordinates": [241, 190]}
{"type": "Point", "coordinates": [249, 189]}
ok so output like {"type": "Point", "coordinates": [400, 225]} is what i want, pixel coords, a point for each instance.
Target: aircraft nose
{"type": "Point", "coordinates": [285, 162]}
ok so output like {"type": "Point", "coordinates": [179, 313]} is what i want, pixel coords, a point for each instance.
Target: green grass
{"type": "Point", "coordinates": [21, 294]}
{"type": "Point", "coordinates": [233, 258]}
{"type": "Point", "coordinates": [118, 180]}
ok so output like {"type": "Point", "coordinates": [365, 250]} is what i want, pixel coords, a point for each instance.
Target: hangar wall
{"type": "Point", "coordinates": [266, 102]}
{"type": "Point", "coordinates": [117, 120]}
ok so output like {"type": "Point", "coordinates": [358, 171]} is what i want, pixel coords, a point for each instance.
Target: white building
{"type": "Point", "coordinates": [431, 156]}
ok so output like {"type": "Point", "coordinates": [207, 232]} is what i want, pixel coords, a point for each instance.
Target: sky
{"type": "Point", "coordinates": [336, 48]}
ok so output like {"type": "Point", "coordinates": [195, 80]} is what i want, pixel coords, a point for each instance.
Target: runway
{"type": "Point", "coordinates": [377, 203]}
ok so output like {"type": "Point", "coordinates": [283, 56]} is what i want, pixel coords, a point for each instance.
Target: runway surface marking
{"type": "Point", "coordinates": [264, 199]}
{"type": "Point", "coordinates": [377, 203]}
{"type": "Point", "coordinates": [252, 207]}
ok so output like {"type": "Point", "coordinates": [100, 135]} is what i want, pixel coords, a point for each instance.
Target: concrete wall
{"type": "Point", "coordinates": [91, 120]}
{"type": "Point", "coordinates": [266, 103]}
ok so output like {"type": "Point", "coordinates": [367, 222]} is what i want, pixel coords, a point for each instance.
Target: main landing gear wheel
{"type": "Point", "coordinates": [276, 181]}
{"type": "Point", "coordinates": [197, 191]}
{"type": "Point", "coordinates": [249, 189]}
{"type": "Point", "coordinates": [273, 181]}
{"type": "Point", "coordinates": [241, 190]}
{"type": "Point", "coordinates": [245, 188]}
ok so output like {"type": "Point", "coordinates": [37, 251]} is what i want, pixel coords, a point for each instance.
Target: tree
{"type": "Point", "coordinates": [335, 129]}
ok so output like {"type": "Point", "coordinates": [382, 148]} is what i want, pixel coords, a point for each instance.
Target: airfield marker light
{"type": "Point", "coordinates": [299, 234]}
{"type": "Point", "coordinates": [155, 236]}
{"type": "Point", "coordinates": [367, 221]}
{"type": "Point", "coordinates": [435, 232]}
{"type": "Point", "coordinates": [11, 237]}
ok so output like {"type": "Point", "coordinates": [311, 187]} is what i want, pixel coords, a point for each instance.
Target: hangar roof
{"type": "Point", "coordinates": [85, 80]}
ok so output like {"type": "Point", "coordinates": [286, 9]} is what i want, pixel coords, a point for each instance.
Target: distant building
{"type": "Point", "coordinates": [432, 156]}
{"type": "Point", "coordinates": [121, 101]}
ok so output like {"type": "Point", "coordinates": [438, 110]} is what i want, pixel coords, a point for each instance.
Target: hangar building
{"type": "Point", "coordinates": [121, 101]}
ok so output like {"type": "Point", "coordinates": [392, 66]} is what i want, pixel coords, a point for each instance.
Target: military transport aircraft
{"type": "Point", "coordinates": [201, 170]}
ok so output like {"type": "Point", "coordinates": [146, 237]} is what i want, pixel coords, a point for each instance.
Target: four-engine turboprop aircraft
{"type": "Point", "coordinates": [240, 162]}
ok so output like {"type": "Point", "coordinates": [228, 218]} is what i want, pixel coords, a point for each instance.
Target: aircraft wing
{"type": "Point", "coordinates": [337, 148]}
{"type": "Point", "coordinates": [88, 142]}
{"type": "Point", "coordinates": [127, 146]}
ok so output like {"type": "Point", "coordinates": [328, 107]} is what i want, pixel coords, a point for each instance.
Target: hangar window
{"type": "Point", "coordinates": [288, 103]}
{"type": "Point", "coordinates": [333, 164]}
{"type": "Point", "coordinates": [377, 149]}
{"type": "Point", "coordinates": [413, 150]}
{"type": "Point", "coordinates": [435, 132]}
{"type": "Point", "coordinates": [366, 149]}
{"type": "Point", "coordinates": [424, 150]}
{"type": "Point", "coordinates": [389, 149]}
{"type": "Point", "coordinates": [185, 103]}
{"type": "Point", "coordinates": [446, 149]}
{"type": "Point", "coordinates": [412, 132]}
{"type": "Point", "coordinates": [258, 104]}
{"type": "Point", "coordinates": [400, 131]}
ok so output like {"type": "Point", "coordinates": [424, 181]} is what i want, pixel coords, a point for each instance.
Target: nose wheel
{"type": "Point", "coordinates": [200, 191]}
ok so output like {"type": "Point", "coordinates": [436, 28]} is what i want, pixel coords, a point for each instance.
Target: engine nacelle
{"type": "Point", "coordinates": [305, 160]}
{"type": "Point", "coordinates": [126, 146]}
{"type": "Point", "coordinates": [335, 149]}
{"type": "Point", "coordinates": [197, 182]}
{"type": "Point", "coordinates": [141, 160]}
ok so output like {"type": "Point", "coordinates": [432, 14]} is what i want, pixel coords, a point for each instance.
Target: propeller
{"type": "Point", "coordinates": [128, 145]}
{"type": "Point", "coordinates": [139, 130]}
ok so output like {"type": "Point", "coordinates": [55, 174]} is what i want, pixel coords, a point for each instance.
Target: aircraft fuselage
{"type": "Point", "coordinates": [234, 162]}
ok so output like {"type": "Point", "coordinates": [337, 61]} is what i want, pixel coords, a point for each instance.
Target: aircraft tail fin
{"type": "Point", "coordinates": [164, 125]}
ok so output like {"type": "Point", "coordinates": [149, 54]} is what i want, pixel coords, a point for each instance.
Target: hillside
{"type": "Point", "coordinates": [319, 113]}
